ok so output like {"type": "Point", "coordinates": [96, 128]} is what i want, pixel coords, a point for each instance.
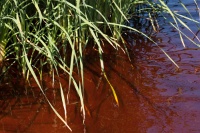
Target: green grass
{"type": "Point", "coordinates": [52, 36]}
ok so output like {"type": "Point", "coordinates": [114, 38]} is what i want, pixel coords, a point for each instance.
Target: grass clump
{"type": "Point", "coordinates": [50, 36]}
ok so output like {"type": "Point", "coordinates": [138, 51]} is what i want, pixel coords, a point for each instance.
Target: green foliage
{"type": "Point", "coordinates": [51, 35]}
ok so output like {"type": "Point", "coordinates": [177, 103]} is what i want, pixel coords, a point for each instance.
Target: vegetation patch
{"type": "Point", "coordinates": [52, 36]}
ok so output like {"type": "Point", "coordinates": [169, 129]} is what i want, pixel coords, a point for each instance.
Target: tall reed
{"type": "Point", "coordinates": [53, 34]}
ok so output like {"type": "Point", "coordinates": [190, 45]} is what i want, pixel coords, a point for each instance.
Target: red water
{"type": "Point", "coordinates": [154, 95]}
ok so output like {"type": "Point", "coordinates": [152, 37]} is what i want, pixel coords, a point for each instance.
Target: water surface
{"type": "Point", "coordinates": [154, 95]}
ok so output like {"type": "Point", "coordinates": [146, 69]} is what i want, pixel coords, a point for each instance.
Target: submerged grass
{"type": "Point", "coordinates": [41, 36]}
